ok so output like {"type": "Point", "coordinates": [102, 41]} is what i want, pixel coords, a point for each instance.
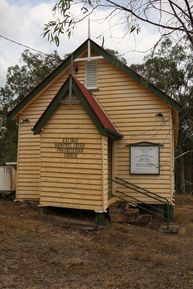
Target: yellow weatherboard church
{"type": "Point", "coordinates": [94, 131]}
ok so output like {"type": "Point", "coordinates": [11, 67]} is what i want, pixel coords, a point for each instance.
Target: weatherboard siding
{"type": "Point", "coordinates": [27, 163]}
{"type": "Point", "coordinates": [72, 182]}
{"type": "Point", "coordinates": [104, 156]}
{"type": "Point", "coordinates": [28, 155]}
{"type": "Point", "coordinates": [132, 109]}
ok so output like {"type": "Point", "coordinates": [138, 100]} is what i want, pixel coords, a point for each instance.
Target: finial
{"type": "Point", "coordinates": [89, 34]}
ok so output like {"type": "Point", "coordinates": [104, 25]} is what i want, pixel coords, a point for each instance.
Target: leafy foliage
{"type": "Point", "coordinates": [168, 16]}
{"type": "Point", "coordinates": [20, 81]}
{"type": "Point", "coordinates": [116, 54]}
{"type": "Point", "coordinates": [170, 67]}
{"type": "Point", "coordinates": [56, 27]}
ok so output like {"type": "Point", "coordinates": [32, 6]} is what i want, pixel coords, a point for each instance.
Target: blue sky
{"type": "Point", "coordinates": [23, 21]}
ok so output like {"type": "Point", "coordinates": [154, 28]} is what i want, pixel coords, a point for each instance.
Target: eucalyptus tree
{"type": "Point", "coordinates": [170, 67]}
{"type": "Point", "coordinates": [169, 16]}
{"type": "Point", "coordinates": [20, 80]}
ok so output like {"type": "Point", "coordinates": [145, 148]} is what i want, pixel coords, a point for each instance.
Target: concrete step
{"type": "Point", "coordinates": [172, 229]}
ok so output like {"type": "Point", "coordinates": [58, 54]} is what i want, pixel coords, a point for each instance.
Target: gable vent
{"type": "Point", "coordinates": [91, 78]}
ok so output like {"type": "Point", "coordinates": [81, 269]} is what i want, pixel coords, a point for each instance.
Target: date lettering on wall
{"type": "Point", "coordinates": [70, 147]}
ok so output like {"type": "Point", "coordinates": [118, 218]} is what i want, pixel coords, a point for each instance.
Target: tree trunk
{"type": "Point", "coordinates": [190, 176]}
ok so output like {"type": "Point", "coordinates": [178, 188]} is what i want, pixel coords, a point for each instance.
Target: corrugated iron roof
{"type": "Point", "coordinates": [95, 106]}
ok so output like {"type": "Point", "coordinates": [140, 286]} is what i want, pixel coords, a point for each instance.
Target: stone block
{"type": "Point", "coordinates": [119, 218]}
{"type": "Point", "coordinates": [131, 214]}
{"type": "Point", "coordinates": [118, 207]}
{"type": "Point", "coordinates": [143, 219]}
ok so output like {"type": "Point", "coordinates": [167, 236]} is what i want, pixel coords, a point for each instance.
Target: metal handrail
{"type": "Point", "coordinates": [139, 206]}
{"type": "Point", "coordinates": [144, 192]}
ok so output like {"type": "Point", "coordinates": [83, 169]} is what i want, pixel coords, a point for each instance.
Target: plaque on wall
{"type": "Point", "coordinates": [70, 147]}
{"type": "Point", "coordinates": [145, 158]}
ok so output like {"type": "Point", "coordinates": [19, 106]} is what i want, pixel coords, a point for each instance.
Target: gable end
{"type": "Point", "coordinates": [92, 108]}
{"type": "Point", "coordinates": [114, 61]}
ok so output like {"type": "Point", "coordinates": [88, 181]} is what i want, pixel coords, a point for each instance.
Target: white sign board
{"type": "Point", "coordinates": [144, 159]}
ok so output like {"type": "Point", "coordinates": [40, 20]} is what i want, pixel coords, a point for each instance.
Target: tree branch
{"type": "Point", "coordinates": [174, 28]}
{"type": "Point", "coordinates": [189, 11]}
{"type": "Point", "coordinates": [182, 23]}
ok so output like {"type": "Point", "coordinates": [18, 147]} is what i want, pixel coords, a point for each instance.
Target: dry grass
{"type": "Point", "coordinates": [184, 215]}
{"type": "Point", "coordinates": [37, 252]}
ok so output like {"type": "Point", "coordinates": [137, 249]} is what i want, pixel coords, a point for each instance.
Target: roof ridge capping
{"type": "Point", "coordinates": [109, 57]}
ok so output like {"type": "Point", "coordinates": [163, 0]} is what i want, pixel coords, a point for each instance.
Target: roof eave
{"type": "Point", "coordinates": [13, 113]}
{"type": "Point", "coordinates": [56, 101]}
{"type": "Point", "coordinates": [113, 134]}
{"type": "Point", "coordinates": [167, 99]}
{"type": "Point", "coordinates": [50, 109]}
{"type": "Point", "coordinates": [133, 74]}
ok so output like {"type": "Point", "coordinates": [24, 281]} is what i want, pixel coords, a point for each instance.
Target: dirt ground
{"type": "Point", "coordinates": [39, 251]}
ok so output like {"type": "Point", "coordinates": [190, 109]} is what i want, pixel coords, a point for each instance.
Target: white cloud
{"type": "Point", "coordinates": [23, 21]}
